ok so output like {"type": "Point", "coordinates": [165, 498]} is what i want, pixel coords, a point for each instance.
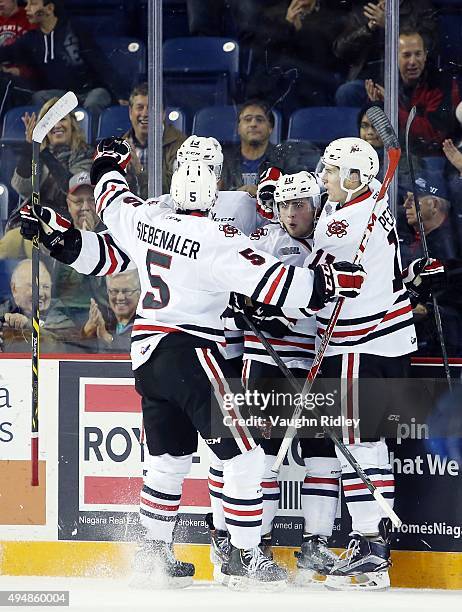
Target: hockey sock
{"type": "Point", "coordinates": [215, 490]}
{"type": "Point", "coordinates": [271, 495]}
{"type": "Point", "coordinates": [364, 511]}
{"type": "Point", "coordinates": [161, 494]}
{"type": "Point", "coordinates": [242, 497]}
{"type": "Point", "coordinates": [320, 494]}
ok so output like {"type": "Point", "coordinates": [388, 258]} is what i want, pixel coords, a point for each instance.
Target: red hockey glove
{"type": "Point", "coordinates": [424, 276]}
{"type": "Point", "coordinates": [111, 154]}
{"type": "Point", "coordinates": [265, 192]}
{"type": "Point", "coordinates": [340, 279]}
{"type": "Point", "coordinates": [46, 222]}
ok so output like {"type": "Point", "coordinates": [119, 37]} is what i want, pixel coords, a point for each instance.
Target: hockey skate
{"type": "Point", "coordinates": [266, 545]}
{"type": "Point", "coordinates": [364, 565]}
{"type": "Point", "coordinates": [155, 566]}
{"type": "Point", "coordinates": [250, 569]}
{"type": "Point", "coordinates": [220, 548]}
{"type": "Point", "coordinates": [314, 561]}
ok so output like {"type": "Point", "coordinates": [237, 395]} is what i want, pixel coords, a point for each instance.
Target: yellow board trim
{"type": "Point", "coordinates": [435, 570]}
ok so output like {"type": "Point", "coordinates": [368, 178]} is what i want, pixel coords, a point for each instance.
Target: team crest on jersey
{"type": "Point", "coordinates": [337, 228]}
{"type": "Point", "coordinates": [228, 230]}
{"type": "Point", "coordinates": [258, 233]}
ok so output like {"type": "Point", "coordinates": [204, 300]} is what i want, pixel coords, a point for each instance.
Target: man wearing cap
{"type": "Point", "coordinates": [434, 209]}
{"type": "Point", "coordinates": [76, 290]}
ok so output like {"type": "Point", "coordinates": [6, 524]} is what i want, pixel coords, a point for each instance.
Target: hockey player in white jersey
{"type": "Point", "coordinates": [372, 339]}
{"type": "Point", "coordinates": [297, 200]}
{"type": "Point", "coordinates": [187, 266]}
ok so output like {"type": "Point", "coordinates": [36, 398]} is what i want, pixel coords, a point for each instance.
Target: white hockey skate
{"type": "Point", "coordinates": [220, 548]}
{"type": "Point", "coordinates": [251, 570]}
{"type": "Point", "coordinates": [155, 567]}
{"type": "Point", "coordinates": [314, 561]}
{"type": "Point", "coordinates": [363, 566]}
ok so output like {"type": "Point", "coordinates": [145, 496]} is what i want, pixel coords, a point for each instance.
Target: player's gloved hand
{"type": "Point", "coordinates": [271, 320]}
{"type": "Point", "coordinates": [111, 154]}
{"type": "Point", "coordinates": [49, 224]}
{"type": "Point", "coordinates": [424, 276]}
{"type": "Point", "coordinates": [265, 192]}
{"type": "Point", "coordinates": [339, 279]}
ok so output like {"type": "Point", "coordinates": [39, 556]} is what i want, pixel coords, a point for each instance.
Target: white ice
{"type": "Point", "coordinates": [98, 594]}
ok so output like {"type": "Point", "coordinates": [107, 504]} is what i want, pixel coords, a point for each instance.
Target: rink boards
{"type": "Point", "coordinates": [82, 519]}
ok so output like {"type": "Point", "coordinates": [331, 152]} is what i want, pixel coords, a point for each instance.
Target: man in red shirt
{"type": "Point", "coordinates": [13, 25]}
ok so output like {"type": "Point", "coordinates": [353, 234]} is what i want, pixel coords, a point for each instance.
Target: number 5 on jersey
{"type": "Point", "coordinates": [160, 296]}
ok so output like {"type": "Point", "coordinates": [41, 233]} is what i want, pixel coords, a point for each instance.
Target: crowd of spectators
{"type": "Point", "coordinates": [294, 54]}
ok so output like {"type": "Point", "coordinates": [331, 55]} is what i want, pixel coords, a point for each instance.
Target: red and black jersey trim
{"type": "Point", "coordinates": [374, 335]}
{"type": "Point", "coordinates": [286, 286]}
{"type": "Point", "coordinates": [366, 319]}
{"type": "Point", "coordinates": [255, 295]}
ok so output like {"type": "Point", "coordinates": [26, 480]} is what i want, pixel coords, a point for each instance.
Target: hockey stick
{"type": "Point", "coordinates": [330, 432]}
{"type": "Point", "coordinates": [391, 143]}
{"type": "Point", "coordinates": [57, 112]}
{"type": "Point", "coordinates": [436, 309]}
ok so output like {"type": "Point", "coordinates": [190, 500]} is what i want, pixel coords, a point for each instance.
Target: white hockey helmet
{"type": "Point", "coordinates": [194, 186]}
{"type": "Point", "coordinates": [201, 148]}
{"type": "Point", "coordinates": [297, 186]}
{"type": "Point", "coordinates": [352, 155]}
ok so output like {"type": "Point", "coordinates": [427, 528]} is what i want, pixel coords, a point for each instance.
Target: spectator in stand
{"type": "Point", "coordinates": [436, 96]}
{"type": "Point", "coordinates": [64, 57]}
{"type": "Point", "coordinates": [77, 290]}
{"type": "Point", "coordinates": [434, 209]}
{"type": "Point", "coordinates": [453, 176]}
{"type": "Point", "coordinates": [56, 329]}
{"type": "Point", "coordinates": [15, 79]}
{"type": "Point", "coordinates": [137, 136]}
{"type": "Point", "coordinates": [361, 43]}
{"type": "Point", "coordinates": [242, 162]}
{"type": "Point", "coordinates": [113, 334]}
{"type": "Point", "coordinates": [64, 153]}
{"type": "Point", "coordinates": [293, 63]}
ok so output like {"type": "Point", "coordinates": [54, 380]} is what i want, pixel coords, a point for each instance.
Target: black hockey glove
{"type": "Point", "coordinates": [271, 320]}
{"type": "Point", "coordinates": [111, 154]}
{"type": "Point", "coordinates": [56, 233]}
{"type": "Point", "coordinates": [265, 192]}
{"type": "Point", "coordinates": [339, 279]}
{"type": "Point", "coordinates": [424, 276]}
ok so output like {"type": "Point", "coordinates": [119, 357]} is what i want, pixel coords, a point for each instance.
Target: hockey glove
{"type": "Point", "coordinates": [46, 222]}
{"type": "Point", "coordinates": [265, 192]}
{"type": "Point", "coordinates": [339, 279]}
{"type": "Point", "coordinates": [111, 154]}
{"type": "Point", "coordinates": [424, 276]}
{"type": "Point", "coordinates": [271, 320]}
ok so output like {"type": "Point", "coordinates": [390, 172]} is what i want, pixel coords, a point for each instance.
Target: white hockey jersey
{"type": "Point", "coordinates": [102, 255]}
{"type": "Point", "coordinates": [187, 267]}
{"type": "Point", "coordinates": [296, 349]}
{"type": "Point", "coordinates": [379, 321]}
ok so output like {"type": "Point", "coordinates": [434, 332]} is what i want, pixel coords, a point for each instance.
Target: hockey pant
{"type": "Point", "coordinates": [183, 387]}
{"type": "Point", "coordinates": [371, 402]}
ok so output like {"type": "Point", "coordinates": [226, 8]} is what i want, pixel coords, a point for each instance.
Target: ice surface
{"type": "Point", "coordinates": [104, 594]}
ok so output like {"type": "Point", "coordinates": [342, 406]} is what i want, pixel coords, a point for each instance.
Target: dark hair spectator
{"type": "Point", "coordinates": [242, 162]}
{"type": "Point", "coordinates": [293, 64]}
{"type": "Point", "coordinates": [361, 43]}
{"type": "Point", "coordinates": [434, 94]}
{"type": "Point", "coordinates": [15, 78]}
{"type": "Point", "coordinates": [137, 136]}
{"type": "Point", "coordinates": [64, 152]}
{"type": "Point", "coordinates": [56, 329]}
{"type": "Point", "coordinates": [113, 333]}
{"type": "Point", "coordinates": [64, 56]}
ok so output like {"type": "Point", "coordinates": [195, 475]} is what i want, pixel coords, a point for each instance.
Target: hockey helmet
{"type": "Point", "coordinates": [201, 148]}
{"type": "Point", "coordinates": [194, 186]}
{"type": "Point", "coordinates": [300, 186]}
{"type": "Point", "coordinates": [352, 155]}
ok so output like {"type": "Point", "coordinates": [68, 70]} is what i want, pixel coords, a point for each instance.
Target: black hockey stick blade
{"type": "Point", "coordinates": [383, 126]}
